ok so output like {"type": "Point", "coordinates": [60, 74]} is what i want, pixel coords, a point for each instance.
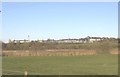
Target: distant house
{"type": "Point", "coordinates": [40, 41]}
{"type": "Point", "coordinates": [49, 41]}
{"type": "Point", "coordinates": [65, 41]}
{"type": "Point", "coordinates": [71, 41]}
{"type": "Point", "coordinates": [20, 41]}
{"type": "Point", "coordinates": [93, 39]}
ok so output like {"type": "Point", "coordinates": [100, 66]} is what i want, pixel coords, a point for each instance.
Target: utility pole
{"type": "Point", "coordinates": [28, 38]}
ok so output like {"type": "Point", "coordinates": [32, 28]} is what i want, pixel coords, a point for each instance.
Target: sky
{"type": "Point", "coordinates": [0, 21]}
{"type": "Point", "coordinates": [60, 1]}
{"type": "Point", "coordinates": [57, 20]}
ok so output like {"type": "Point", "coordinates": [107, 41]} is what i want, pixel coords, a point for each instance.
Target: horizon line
{"type": "Point", "coordinates": [58, 38]}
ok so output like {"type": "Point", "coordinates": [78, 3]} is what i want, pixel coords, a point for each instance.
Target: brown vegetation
{"type": "Point", "coordinates": [60, 49]}
{"type": "Point", "coordinates": [114, 51]}
{"type": "Point", "coordinates": [62, 52]}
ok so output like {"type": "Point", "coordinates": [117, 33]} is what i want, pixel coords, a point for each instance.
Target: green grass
{"type": "Point", "coordinates": [62, 65]}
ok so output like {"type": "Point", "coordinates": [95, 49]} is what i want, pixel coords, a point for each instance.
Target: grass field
{"type": "Point", "coordinates": [62, 65]}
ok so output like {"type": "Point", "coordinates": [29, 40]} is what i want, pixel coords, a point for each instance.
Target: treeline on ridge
{"type": "Point", "coordinates": [104, 45]}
